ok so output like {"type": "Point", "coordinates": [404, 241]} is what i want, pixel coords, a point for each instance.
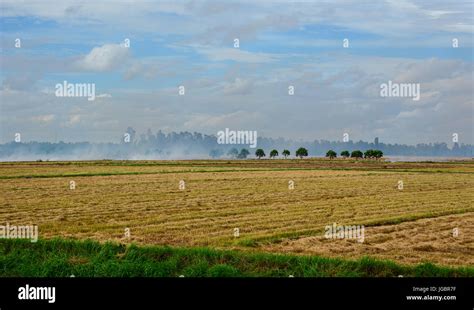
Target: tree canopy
{"type": "Point", "coordinates": [301, 152]}
{"type": "Point", "coordinates": [259, 153]}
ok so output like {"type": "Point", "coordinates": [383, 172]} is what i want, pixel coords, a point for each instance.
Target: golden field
{"type": "Point", "coordinates": [410, 225]}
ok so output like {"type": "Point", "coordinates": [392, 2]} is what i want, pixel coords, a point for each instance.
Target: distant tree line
{"type": "Point", "coordinates": [186, 144]}
{"type": "Point", "coordinates": [303, 152]}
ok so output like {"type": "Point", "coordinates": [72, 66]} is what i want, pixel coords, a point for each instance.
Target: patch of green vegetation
{"type": "Point", "coordinates": [62, 258]}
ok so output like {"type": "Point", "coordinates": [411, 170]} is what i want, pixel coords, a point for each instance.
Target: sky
{"type": "Point", "coordinates": [281, 44]}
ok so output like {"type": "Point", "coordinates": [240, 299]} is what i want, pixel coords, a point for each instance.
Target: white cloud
{"type": "Point", "coordinates": [104, 96]}
{"type": "Point", "coordinates": [104, 58]}
{"type": "Point", "coordinates": [430, 70]}
{"type": "Point", "coordinates": [141, 69]}
{"type": "Point", "coordinates": [237, 87]}
{"type": "Point", "coordinates": [409, 114]}
{"type": "Point", "coordinates": [73, 120]}
{"type": "Point", "coordinates": [45, 119]}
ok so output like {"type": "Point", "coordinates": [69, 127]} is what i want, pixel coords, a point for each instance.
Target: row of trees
{"type": "Point", "coordinates": [370, 154]}
{"type": "Point", "coordinates": [234, 153]}
{"type": "Point", "coordinates": [302, 152]}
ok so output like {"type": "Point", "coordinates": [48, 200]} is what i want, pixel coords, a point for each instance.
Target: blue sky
{"type": "Point", "coordinates": [282, 43]}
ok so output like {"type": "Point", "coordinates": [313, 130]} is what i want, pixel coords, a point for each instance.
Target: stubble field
{"type": "Point", "coordinates": [278, 206]}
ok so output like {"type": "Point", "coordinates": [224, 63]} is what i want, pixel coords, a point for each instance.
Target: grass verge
{"type": "Point", "coordinates": [63, 258]}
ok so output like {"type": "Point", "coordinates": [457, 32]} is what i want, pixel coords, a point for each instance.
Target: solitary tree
{"type": "Point", "coordinates": [356, 154]}
{"type": "Point", "coordinates": [331, 154]}
{"type": "Point", "coordinates": [301, 152]}
{"type": "Point", "coordinates": [273, 153]}
{"type": "Point", "coordinates": [345, 154]}
{"type": "Point", "coordinates": [285, 153]}
{"type": "Point", "coordinates": [243, 154]}
{"type": "Point", "coordinates": [259, 153]}
{"type": "Point", "coordinates": [233, 152]}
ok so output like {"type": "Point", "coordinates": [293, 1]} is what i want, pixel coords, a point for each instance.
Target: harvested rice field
{"type": "Point", "coordinates": [411, 212]}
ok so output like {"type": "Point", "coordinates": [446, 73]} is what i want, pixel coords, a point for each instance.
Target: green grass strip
{"type": "Point", "coordinates": [63, 258]}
